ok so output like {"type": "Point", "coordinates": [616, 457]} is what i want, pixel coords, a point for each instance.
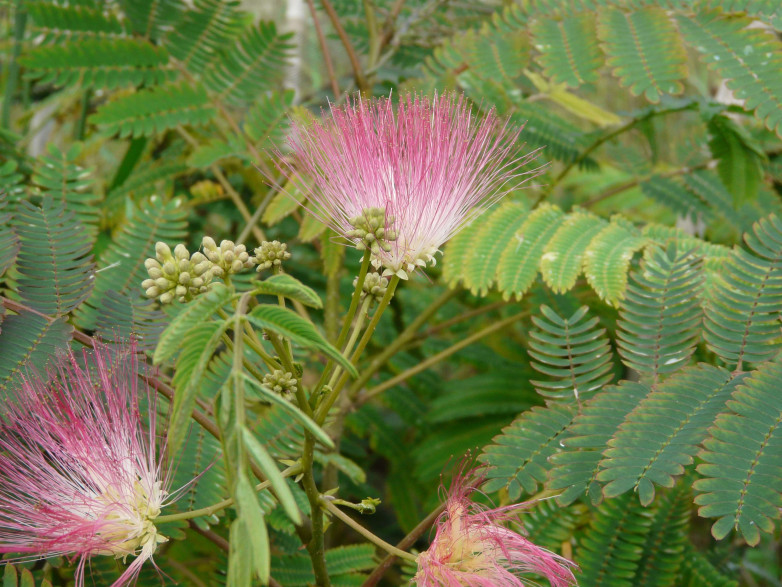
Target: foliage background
{"type": "Point", "coordinates": [609, 336]}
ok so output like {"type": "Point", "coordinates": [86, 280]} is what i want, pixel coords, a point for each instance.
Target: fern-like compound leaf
{"type": "Point", "coordinates": [569, 51]}
{"type": "Point", "coordinates": [29, 340]}
{"type": "Point", "coordinates": [661, 435]}
{"type": "Point", "coordinates": [57, 175]}
{"type": "Point", "coordinates": [54, 272]}
{"type": "Point", "coordinates": [563, 256]}
{"type": "Point", "coordinates": [254, 64]}
{"type": "Point", "coordinates": [267, 120]}
{"type": "Point", "coordinates": [743, 456]}
{"type": "Point", "coordinates": [121, 267]}
{"type": "Point", "coordinates": [152, 19]}
{"type": "Point", "coordinates": [127, 317]}
{"type": "Point", "coordinates": [749, 58]}
{"type": "Point", "coordinates": [518, 264]}
{"type": "Point", "coordinates": [152, 111]}
{"type": "Point", "coordinates": [608, 257]}
{"type": "Point", "coordinates": [203, 32]}
{"type": "Point", "coordinates": [9, 242]}
{"type": "Point", "coordinates": [575, 469]}
{"type": "Point", "coordinates": [572, 352]}
{"type": "Point", "coordinates": [562, 139]}
{"type": "Point", "coordinates": [517, 459]}
{"type": "Point", "coordinates": [644, 50]}
{"type": "Point", "coordinates": [660, 315]}
{"type": "Point", "coordinates": [742, 313]}
{"type": "Point", "coordinates": [674, 195]}
{"type": "Point", "coordinates": [496, 231]}
{"type": "Point", "coordinates": [60, 23]}
{"type": "Point", "coordinates": [109, 63]}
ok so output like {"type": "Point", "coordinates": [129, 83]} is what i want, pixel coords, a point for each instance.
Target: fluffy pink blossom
{"type": "Point", "coordinates": [472, 547]}
{"type": "Point", "coordinates": [402, 182]}
{"type": "Point", "coordinates": [79, 473]}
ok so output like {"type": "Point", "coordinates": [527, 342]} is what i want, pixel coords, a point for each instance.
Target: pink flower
{"type": "Point", "coordinates": [402, 184]}
{"type": "Point", "coordinates": [473, 548]}
{"type": "Point", "coordinates": [79, 475]}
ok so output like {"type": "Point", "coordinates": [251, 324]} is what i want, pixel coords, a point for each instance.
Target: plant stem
{"type": "Point", "coordinates": [406, 542]}
{"type": "Point", "coordinates": [423, 365]}
{"type": "Point", "coordinates": [324, 408]}
{"type": "Point", "coordinates": [78, 130]}
{"type": "Point", "coordinates": [316, 546]}
{"type": "Point", "coordinates": [221, 505]}
{"type": "Point", "coordinates": [353, 337]}
{"type": "Point", "coordinates": [343, 333]}
{"type": "Point", "coordinates": [358, 72]}
{"type": "Point", "coordinates": [338, 513]}
{"type": "Point", "coordinates": [253, 220]}
{"type": "Point", "coordinates": [603, 139]}
{"type": "Point", "coordinates": [325, 50]}
{"type": "Point", "coordinates": [406, 335]}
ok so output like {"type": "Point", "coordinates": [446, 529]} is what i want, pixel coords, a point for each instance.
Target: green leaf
{"type": "Point", "coordinates": [660, 316]}
{"type": "Point", "coordinates": [742, 312]}
{"type": "Point", "coordinates": [29, 340]}
{"type": "Point", "coordinates": [518, 458]}
{"type": "Point", "coordinates": [298, 330]}
{"type": "Point", "coordinates": [281, 206]}
{"type": "Point", "coordinates": [269, 468]}
{"type": "Point", "coordinates": [9, 242]}
{"type": "Point", "coordinates": [253, 64]}
{"type": "Point", "coordinates": [742, 454]}
{"type": "Point", "coordinates": [518, 264]}
{"type": "Point", "coordinates": [569, 52]}
{"type": "Point", "coordinates": [154, 110]}
{"type": "Point", "coordinates": [575, 469]}
{"type": "Point", "coordinates": [662, 434]}
{"type": "Point", "coordinates": [674, 195]}
{"type": "Point", "coordinates": [248, 556]}
{"type": "Point", "coordinates": [572, 352]}
{"type": "Point", "coordinates": [644, 50]}
{"type": "Point", "coordinates": [197, 351]}
{"type": "Point", "coordinates": [608, 257]}
{"type": "Point", "coordinates": [60, 23]}
{"type": "Point", "coordinates": [54, 268]}
{"type": "Point", "coordinates": [287, 406]}
{"type": "Point", "coordinates": [199, 37]}
{"type": "Point", "coordinates": [191, 315]}
{"type": "Point", "coordinates": [563, 256]}
{"type": "Point", "coordinates": [267, 122]}
{"type": "Point", "coordinates": [748, 58]}
{"type": "Point", "coordinates": [739, 158]}
{"type": "Point", "coordinates": [108, 63]}
{"type": "Point", "coordinates": [288, 286]}
{"type": "Point", "coordinates": [311, 228]}
{"type": "Point", "coordinates": [496, 230]}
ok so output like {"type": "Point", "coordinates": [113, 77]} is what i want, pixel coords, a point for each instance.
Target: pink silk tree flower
{"type": "Point", "coordinates": [402, 182]}
{"type": "Point", "coordinates": [79, 473]}
{"type": "Point", "coordinates": [473, 548]}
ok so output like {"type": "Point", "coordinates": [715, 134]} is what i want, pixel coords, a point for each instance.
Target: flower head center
{"type": "Point", "coordinates": [372, 229]}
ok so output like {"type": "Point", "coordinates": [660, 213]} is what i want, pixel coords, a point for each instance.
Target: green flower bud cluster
{"type": "Point", "coordinates": [281, 382]}
{"type": "Point", "coordinates": [176, 276]}
{"type": "Point", "coordinates": [369, 229]}
{"type": "Point", "coordinates": [271, 254]}
{"type": "Point", "coordinates": [226, 259]}
{"type": "Point", "coordinates": [374, 285]}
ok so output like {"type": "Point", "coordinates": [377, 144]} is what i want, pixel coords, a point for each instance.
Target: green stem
{"type": "Point", "coordinates": [423, 365]}
{"type": "Point", "coordinates": [353, 337]}
{"type": "Point", "coordinates": [390, 548]}
{"type": "Point", "coordinates": [220, 505]}
{"type": "Point", "coordinates": [81, 124]}
{"type": "Point", "coordinates": [324, 408]}
{"type": "Point", "coordinates": [20, 21]}
{"type": "Point", "coordinates": [406, 335]}
{"type": "Point", "coordinates": [603, 139]}
{"type": "Point", "coordinates": [362, 275]}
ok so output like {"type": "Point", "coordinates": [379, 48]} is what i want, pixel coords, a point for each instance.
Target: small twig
{"type": "Point", "coordinates": [404, 544]}
{"type": "Point", "coordinates": [388, 27]}
{"type": "Point", "coordinates": [423, 365]}
{"type": "Point", "coordinates": [358, 72]}
{"type": "Point", "coordinates": [210, 535]}
{"type": "Point", "coordinates": [325, 50]}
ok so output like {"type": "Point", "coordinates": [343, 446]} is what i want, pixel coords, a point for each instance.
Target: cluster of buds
{"type": "Point", "coordinates": [226, 259]}
{"type": "Point", "coordinates": [176, 276]}
{"type": "Point", "coordinates": [374, 286]}
{"type": "Point", "coordinates": [372, 230]}
{"type": "Point", "coordinates": [271, 254]}
{"type": "Point", "coordinates": [281, 382]}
